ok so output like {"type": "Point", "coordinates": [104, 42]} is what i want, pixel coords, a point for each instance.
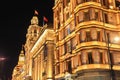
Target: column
{"type": "Point", "coordinates": [50, 58]}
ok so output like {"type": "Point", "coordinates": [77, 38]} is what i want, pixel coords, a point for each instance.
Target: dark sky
{"type": "Point", "coordinates": [15, 16]}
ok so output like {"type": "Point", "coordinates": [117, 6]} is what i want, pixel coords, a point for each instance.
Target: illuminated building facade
{"type": "Point", "coordinates": [39, 50]}
{"type": "Point", "coordinates": [19, 70]}
{"type": "Point", "coordinates": [84, 38]}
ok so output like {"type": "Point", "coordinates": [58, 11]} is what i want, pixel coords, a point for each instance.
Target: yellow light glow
{"type": "Point", "coordinates": [111, 7]}
{"type": "Point", "coordinates": [116, 39]}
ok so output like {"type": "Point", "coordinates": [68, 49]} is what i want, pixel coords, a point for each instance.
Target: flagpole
{"type": "Point", "coordinates": [43, 20]}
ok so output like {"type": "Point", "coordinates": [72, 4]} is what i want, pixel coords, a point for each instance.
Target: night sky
{"type": "Point", "coordinates": [15, 16]}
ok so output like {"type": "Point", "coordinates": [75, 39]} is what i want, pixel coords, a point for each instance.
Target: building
{"type": "Point", "coordinates": [39, 50]}
{"type": "Point", "coordinates": [84, 36]}
{"type": "Point", "coordinates": [19, 69]}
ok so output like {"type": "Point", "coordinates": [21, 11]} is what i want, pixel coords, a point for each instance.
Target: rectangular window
{"type": "Point", "coordinates": [69, 46]}
{"type": "Point", "coordinates": [98, 35]}
{"type": "Point", "coordinates": [57, 54]}
{"type": "Point", "coordinates": [69, 66]}
{"type": "Point", "coordinates": [90, 59]}
{"type": "Point", "coordinates": [58, 25]}
{"type": "Point", "coordinates": [67, 30]}
{"type": "Point", "coordinates": [105, 3]}
{"type": "Point", "coordinates": [84, 58]}
{"type": "Point", "coordinates": [117, 2]}
{"type": "Point", "coordinates": [105, 18]}
{"type": "Point", "coordinates": [67, 15]}
{"type": "Point", "coordinates": [74, 42]}
{"type": "Point", "coordinates": [72, 26]}
{"type": "Point", "coordinates": [96, 16]}
{"type": "Point", "coordinates": [57, 69]}
{"type": "Point", "coordinates": [81, 16]}
{"type": "Point", "coordinates": [88, 36]}
{"type": "Point", "coordinates": [82, 36]}
{"type": "Point", "coordinates": [45, 51]}
{"type": "Point", "coordinates": [86, 15]}
{"type": "Point", "coordinates": [76, 19]}
{"type": "Point", "coordinates": [101, 57]}
{"type": "Point", "coordinates": [63, 50]}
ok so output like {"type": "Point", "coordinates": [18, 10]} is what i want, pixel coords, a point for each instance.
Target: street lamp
{"type": "Point", "coordinates": [110, 58]}
{"type": "Point", "coordinates": [116, 39]}
{"type": "Point", "coordinates": [2, 59]}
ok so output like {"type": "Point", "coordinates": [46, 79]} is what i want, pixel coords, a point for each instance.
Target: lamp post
{"type": "Point", "coordinates": [110, 58]}
{"type": "Point", "coordinates": [2, 59]}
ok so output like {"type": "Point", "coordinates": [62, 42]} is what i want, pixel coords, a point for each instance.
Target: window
{"type": "Point", "coordinates": [58, 25]}
{"type": "Point", "coordinates": [93, 34]}
{"type": "Point", "coordinates": [82, 36]}
{"type": "Point", "coordinates": [86, 15]}
{"type": "Point", "coordinates": [116, 58]}
{"type": "Point", "coordinates": [45, 51]}
{"type": "Point", "coordinates": [35, 33]}
{"type": "Point", "coordinates": [72, 26]}
{"type": "Point", "coordinates": [81, 16]}
{"type": "Point", "coordinates": [76, 18]}
{"type": "Point", "coordinates": [105, 17]}
{"type": "Point", "coordinates": [67, 15]}
{"type": "Point", "coordinates": [84, 58]}
{"type": "Point", "coordinates": [69, 66]}
{"type": "Point", "coordinates": [67, 30]}
{"type": "Point", "coordinates": [97, 56]}
{"type": "Point", "coordinates": [88, 36]}
{"type": "Point", "coordinates": [96, 15]}
{"type": "Point", "coordinates": [98, 35]}
{"type": "Point", "coordinates": [57, 71]}
{"type": "Point", "coordinates": [74, 42]}
{"type": "Point", "coordinates": [61, 34]}
{"type": "Point", "coordinates": [90, 59]}
{"type": "Point", "coordinates": [33, 63]}
{"type": "Point", "coordinates": [101, 57]}
{"type": "Point", "coordinates": [117, 3]}
{"type": "Point", "coordinates": [57, 54]}
{"type": "Point", "coordinates": [68, 47]}
{"type": "Point", "coordinates": [105, 3]}
{"type": "Point", "coordinates": [62, 50]}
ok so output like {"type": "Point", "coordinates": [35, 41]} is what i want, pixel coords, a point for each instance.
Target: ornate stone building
{"type": "Point", "coordinates": [85, 47]}
{"type": "Point", "coordinates": [19, 70]}
{"type": "Point", "coordinates": [39, 49]}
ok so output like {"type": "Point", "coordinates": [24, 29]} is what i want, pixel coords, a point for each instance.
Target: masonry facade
{"type": "Point", "coordinates": [85, 45]}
